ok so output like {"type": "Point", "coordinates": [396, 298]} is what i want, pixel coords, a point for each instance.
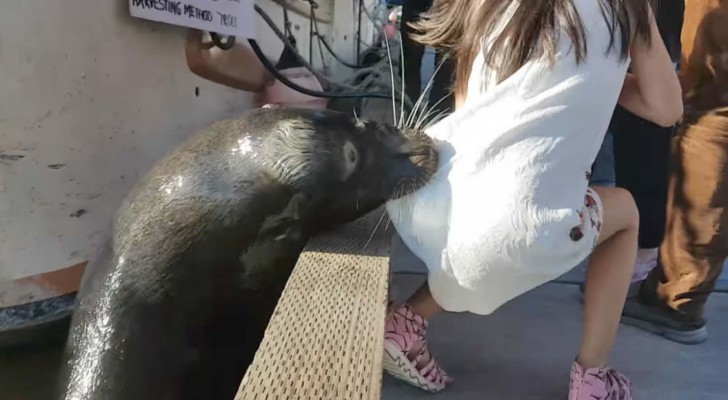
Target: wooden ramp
{"type": "Point", "coordinates": [325, 338]}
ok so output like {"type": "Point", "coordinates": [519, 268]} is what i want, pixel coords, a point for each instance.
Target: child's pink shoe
{"type": "Point", "coordinates": [598, 384]}
{"type": "Point", "coordinates": [406, 356]}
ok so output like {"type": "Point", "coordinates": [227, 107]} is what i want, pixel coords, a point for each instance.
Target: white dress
{"type": "Point", "coordinates": [495, 221]}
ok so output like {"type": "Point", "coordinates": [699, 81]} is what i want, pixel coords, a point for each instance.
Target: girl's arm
{"type": "Point", "coordinates": [237, 67]}
{"type": "Point", "coordinates": [652, 89]}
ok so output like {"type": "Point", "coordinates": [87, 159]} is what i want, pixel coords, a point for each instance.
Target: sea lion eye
{"type": "Point", "coordinates": [351, 155]}
{"type": "Point", "coordinates": [351, 159]}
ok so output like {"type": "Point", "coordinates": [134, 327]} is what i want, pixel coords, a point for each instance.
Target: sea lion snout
{"type": "Point", "coordinates": [426, 158]}
{"type": "Point", "coordinates": [418, 161]}
{"type": "Point", "coordinates": [420, 148]}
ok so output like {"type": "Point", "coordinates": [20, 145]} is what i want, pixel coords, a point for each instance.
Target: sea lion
{"type": "Point", "coordinates": [202, 247]}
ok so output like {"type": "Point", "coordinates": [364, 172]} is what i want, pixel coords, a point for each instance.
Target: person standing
{"type": "Point", "coordinates": [642, 154]}
{"type": "Point", "coordinates": [671, 300]}
{"type": "Point", "coordinates": [635, 155]}
{"type": "Point", "coordinates": [635, 152]}
{"type": "Point", "coordinates": [413, 52]}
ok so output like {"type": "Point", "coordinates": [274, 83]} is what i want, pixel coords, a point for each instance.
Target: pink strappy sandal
{"type": "Point", "coordinates": [598, 384]}
{"type": "Point", "coordinates": [406, 356]}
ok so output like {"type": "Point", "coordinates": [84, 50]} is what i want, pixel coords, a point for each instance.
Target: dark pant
{"type": "Point", "coordinates": [642, 149]}
{"type": "Point", "coordinates": [413, 52]}
{"type": "Point", "coordinates": [641, 161]}
{"type": "Point", "coordinates": [696, 240]}
{"type": "Point", "coordinates": [696, 237]}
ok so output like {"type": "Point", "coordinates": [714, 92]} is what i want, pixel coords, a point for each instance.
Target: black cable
{"type": "Point", "coordinates": [328, 47]}
{"type": "Point", "coordinates": [358, 33]}
{"type": "Point", "coordinates": [273, 70]}
{"type": "Point", "coordinates": [269, 66]}
{"type": "Point", "coordinates": [310, 35]}
{"type": "Point", "coordinates": [322, 39]}
{"type": "Point", "coordinates": [336, 56]}
{"type": "Point", "coordinates": [224, 45]}
{"type": "Point", "coordinates": [314, 31]}
{"type": "Point", "coordinates": [288, 58]}
{"type": "Point", "coordinates": [293, 50]}
{"type": "Point", "coordinates": [286, 20]}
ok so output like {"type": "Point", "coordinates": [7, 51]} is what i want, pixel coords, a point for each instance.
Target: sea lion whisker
{"type": "Point", "coordinates": [429, 83]}
{"type": "Point", "coordinates": [413, 120]}
{"type": "Point", "coordinates": [418, 105]}
{"type": "Point", "coordinates": [375, 230]}
{"type": "Point", "coordinates": [437, 118]}
{"type": "Point", "coordinates": [424, 119]}
{"type": "Point", "coordinates": [398, 187]}
{"type": "Point", "coordinates": [356, 117]}
{"type": "Point", "coordinates": [400, 125]}
{"type": "Point", "coordinates": [423, 116]}
{"type": "Point", "coordinates": [401, 189]}
{"type": "Point", "coordinates": [400, 213]}
{"type": "Point", "coordinates": [413, 113]}
{"type": "Point", "coordinates": [391, 73]}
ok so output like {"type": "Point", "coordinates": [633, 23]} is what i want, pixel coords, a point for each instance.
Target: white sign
{"type": "Point", "coordinates": [227, 17]}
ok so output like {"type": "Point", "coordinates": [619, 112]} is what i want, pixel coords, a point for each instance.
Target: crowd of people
{"type": "Point", "coordinates": [577, 129]}
{"type": "Point", "coordinates": [674, 173]}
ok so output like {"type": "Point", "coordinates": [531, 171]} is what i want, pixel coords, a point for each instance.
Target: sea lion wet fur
{"type": "Point", "coordinates": [202, 247]}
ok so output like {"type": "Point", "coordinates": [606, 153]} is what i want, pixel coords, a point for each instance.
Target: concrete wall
{"type": "Point", "coordinates": [90, 98]}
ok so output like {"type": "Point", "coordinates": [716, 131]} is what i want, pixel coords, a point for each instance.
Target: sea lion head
{"type": "Point", "coordinates": [351, 166]}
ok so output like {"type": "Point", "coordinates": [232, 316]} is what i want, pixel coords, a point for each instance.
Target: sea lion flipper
{"type": "Point", "coordinates": [289, 221]}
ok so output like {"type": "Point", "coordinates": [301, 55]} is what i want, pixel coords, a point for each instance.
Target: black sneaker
{"type": "Point", "coordinates": [665, 322]}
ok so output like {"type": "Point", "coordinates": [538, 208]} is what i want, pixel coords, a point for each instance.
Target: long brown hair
{"type": "Point", "coordinates": [458, 27]}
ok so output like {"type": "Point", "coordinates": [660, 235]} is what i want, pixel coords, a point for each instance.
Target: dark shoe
{"type": "Point", "coordinates": [668, 323]}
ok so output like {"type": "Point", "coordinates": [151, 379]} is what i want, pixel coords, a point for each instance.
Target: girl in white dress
{"type": "Point", "coordinates": [510, 208]}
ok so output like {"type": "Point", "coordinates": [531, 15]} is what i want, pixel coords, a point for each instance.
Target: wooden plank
{"type": "Point", "coordinates": [325, 338]}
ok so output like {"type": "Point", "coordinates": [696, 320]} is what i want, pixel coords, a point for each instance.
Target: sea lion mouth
{"type": "Point", "coordinates": [423, 160]}
{"type": "Point", "coordinates": [423, 154]}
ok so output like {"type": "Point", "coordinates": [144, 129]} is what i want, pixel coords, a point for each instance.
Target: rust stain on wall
{"type": "Point", "coordinates": [42, 286]}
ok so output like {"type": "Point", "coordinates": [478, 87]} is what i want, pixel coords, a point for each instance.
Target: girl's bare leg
{"type": "Point", "coordinates": [609, 274]}
{"type": "Point", "coordinates": [423, 304]}
{"type": "Point", "coordinates": [406, 354]}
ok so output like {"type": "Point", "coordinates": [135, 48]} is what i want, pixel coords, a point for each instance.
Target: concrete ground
{"type": "Point", "coordinates": [521, 352]}
{"type": "Point", "coordinates": [524, 351]}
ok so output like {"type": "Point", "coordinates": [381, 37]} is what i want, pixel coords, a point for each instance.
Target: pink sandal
{"type": "Point", "coordinates": [406, 356]}
{"type": "Point", "coordinates": [598, 384]}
